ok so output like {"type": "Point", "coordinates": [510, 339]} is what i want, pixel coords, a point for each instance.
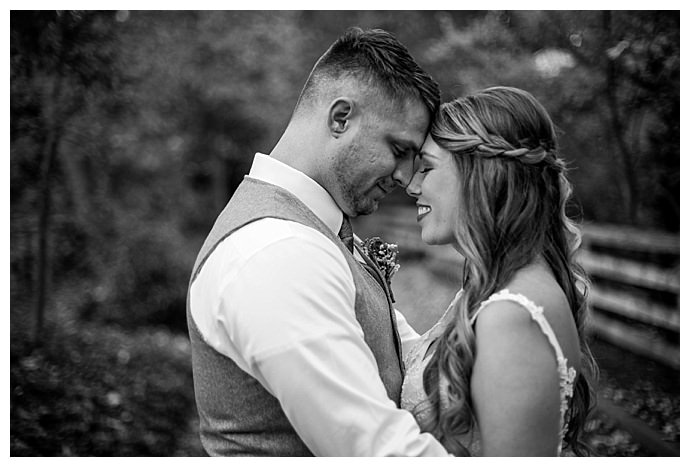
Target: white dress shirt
{"type": "Point", "coordinates": [278, 298]}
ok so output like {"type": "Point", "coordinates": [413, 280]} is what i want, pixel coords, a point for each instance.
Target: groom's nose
{"type": "Point", "coordinates": [404, 171]}
{"type": "Point", "coordinates": [414, 188]}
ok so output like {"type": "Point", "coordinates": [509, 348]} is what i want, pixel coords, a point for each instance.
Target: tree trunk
{"type": "Point", "coordinates": [53, 124]}
{"type": "Point", "coordinates": [75, 180]}
{"type": "Point", "coordinates": [49, 154]}
{"type": "Point", "coordinates": [617, 128]}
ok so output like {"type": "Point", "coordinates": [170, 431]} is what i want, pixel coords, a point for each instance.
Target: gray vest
{"type": "Point", "coordinates": [238, 417]}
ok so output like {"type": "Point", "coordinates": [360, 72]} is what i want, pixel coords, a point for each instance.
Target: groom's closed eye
{"type": "Point", "coordinates": [398, 152]}
{"type": "Point", "coordinates": [405, 148]}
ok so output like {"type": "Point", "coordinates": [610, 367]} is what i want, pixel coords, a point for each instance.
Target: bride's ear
{"type": "Point", "coordinates": [340, 114]}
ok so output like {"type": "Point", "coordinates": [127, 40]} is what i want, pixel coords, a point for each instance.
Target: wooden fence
{"type": "Point", "coordinates": [635, 292]}
{"type": "Point", "coordinates": [635, 279]}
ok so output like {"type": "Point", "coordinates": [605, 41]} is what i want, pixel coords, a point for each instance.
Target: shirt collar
{"type": "Point", "coordinates": [313, 195]}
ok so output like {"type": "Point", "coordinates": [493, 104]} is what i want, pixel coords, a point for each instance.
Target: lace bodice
{"type": "Point", "coordinates": [413, 395]}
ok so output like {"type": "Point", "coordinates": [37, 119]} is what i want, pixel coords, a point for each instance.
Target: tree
{"type": "Point", "coordinates": [631, 65]}
{"type": "Point", "coordinates": [58, 59]}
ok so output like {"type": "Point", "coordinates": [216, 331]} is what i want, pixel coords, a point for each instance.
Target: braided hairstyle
{"type": "Point", "coordinates": [513, 202]}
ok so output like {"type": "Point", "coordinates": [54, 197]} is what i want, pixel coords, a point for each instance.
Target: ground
{"type": "Point", "coordinates": [91, 389]}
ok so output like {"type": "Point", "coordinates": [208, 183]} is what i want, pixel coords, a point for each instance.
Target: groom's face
{"type": "Point", "coordinates": [379, 156]}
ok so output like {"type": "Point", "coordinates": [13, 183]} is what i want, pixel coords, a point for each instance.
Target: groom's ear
{"type": "Point", "coordinates": [340, 115]}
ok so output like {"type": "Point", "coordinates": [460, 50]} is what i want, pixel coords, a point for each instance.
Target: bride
{"type": "Point", "coordinates": [506, 371]}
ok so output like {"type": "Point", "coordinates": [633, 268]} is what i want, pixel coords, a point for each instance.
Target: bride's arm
{"type": "Point", "coordinates": [514, 386]}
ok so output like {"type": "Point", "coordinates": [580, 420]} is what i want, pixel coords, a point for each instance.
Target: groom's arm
{"type": "Point", "coordinates": [290, 314]}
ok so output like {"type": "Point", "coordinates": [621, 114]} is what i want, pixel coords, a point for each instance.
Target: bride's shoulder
{"type": "Point", "coordinates": [532, 291]}
{"type": "Point", "coordinates": [537, 284]}
{"type": "Point", "coordinates": [531, 287]}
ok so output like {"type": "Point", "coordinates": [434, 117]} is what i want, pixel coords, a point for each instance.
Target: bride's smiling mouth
{"type": "Point", "coordinates": [422, 210]}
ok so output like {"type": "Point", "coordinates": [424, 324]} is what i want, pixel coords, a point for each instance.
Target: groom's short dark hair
{"type": "Point", "coordinates": [380, 61]}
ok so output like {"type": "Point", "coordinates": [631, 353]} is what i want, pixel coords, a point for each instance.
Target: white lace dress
{"type": "Point", "coordinates": [413, 397]}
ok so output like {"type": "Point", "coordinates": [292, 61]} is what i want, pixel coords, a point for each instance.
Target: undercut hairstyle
{"type": "Point", "coordinates": [376, 59]}
{"type": "Point", "coordinates": [513, 202]}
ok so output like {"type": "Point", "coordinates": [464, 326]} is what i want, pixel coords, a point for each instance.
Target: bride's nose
{"type": "Point", "coordinates": [414, 188]}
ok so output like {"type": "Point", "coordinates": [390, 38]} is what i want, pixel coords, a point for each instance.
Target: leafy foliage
{"type": "Point", "coordinates": [99, 391]}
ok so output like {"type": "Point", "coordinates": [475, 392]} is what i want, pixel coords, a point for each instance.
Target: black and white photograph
{"type": "Point", "coordinates": [345, 233]}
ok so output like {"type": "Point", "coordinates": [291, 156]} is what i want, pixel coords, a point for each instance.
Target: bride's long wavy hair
{"type": "Point", "coordinates": [513, 201]}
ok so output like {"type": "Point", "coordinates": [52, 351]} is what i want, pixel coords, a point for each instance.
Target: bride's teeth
{"type": "Point", "coordinates": [423, 210]}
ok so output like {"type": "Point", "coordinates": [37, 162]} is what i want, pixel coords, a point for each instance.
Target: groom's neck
{"type": "Point", "coordinates": [302, 148]}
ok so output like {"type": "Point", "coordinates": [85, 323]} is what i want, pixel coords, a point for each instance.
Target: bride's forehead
{"type": "Point", "coordinates": [431, 148]}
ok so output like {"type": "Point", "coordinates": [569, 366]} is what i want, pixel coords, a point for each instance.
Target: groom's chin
{"type": "Point", "coordinates": [364, 209]}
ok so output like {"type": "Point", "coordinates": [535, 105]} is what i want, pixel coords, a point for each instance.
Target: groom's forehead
{"type": "Point", "coordinates": [408, 122]}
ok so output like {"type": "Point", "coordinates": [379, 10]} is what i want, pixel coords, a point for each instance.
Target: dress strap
{"type": "Point", "coordinates": [537, 313]}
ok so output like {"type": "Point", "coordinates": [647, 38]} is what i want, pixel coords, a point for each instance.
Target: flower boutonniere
{"type": "Point", "coordinates": [385, 257]}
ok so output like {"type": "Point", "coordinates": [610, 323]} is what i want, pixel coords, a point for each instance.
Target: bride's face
{"type": "Point", "coordinates": [436, 186]}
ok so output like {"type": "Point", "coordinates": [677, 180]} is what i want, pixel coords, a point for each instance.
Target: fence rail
{"type": "Point", "coordinates": [632, 238]}
{"type": "Point", "coordinates": [628, 271]}
{"type": "Point", "coordinates": [639, 309]}
{"type": "Point", "coordinates": [635, 298]}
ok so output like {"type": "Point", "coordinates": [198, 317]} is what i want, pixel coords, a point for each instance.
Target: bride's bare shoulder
{"type": "Point", "coordinates": [538, 285]}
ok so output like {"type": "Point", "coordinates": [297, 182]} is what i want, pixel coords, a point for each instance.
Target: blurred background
{"type": "Point", "coordinates": [130, 131]}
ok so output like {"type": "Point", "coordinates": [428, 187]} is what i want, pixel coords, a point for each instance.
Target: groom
{"type": "Point", "coordinates": [295, 346]}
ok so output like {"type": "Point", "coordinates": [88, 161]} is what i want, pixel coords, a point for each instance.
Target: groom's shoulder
{"type": "Point", "coordinates": [282, 245]}
{"type": "Point", "coordinates": [268, 231]}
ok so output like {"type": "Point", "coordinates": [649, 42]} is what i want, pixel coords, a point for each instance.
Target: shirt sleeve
{"type": "Point", "coordinates": [290, 313]}
{"type": "Point", "coordinates": [408, 336]}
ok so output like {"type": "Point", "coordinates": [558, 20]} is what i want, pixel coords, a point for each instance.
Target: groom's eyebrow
{"type": "Point", "coordinates": [408, 145]}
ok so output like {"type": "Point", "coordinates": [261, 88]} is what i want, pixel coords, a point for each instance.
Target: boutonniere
{"type": "Point", "coordinates": [385, 257]}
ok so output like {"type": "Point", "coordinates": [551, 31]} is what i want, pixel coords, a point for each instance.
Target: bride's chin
{"type": "Point", "coordinates": [429, 240]}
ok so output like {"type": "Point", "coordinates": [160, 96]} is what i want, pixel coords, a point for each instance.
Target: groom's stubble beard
{"type": "Point", "coordinates": [352, 183]}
